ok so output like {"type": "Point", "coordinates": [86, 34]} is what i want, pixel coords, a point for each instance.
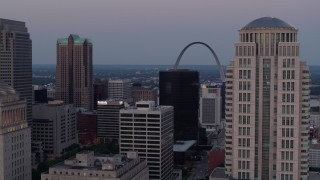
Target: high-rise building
{"type": "Point", "coordinates": [119, 89]}
{"type": "Point", "coordinates": [180, 89]}
{"type": "Point", "coordinates": [54, 126]}
{"type": "Point", "coordinates": [15, 136]}
{"type": "Point", "coordinates": [16, 59]}
{"type": "Point", "coordinates": [108, 120]}
{"type": "Point", "coordinates": [267, 104]}
{"type": "Point", "coordinates": [74, 71]}
{"type": "Point", "coordinates": [210, 106]}
{"type": "Point", "coordinates": [148, 129]}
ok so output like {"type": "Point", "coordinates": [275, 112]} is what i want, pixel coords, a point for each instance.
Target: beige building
{"type": "Point", "coordinates": [15, 136]}
{"type": "Point", "coordinates": [143, 93]}
{"type": "Point", "coordinates": [267, 104]}
{"type": "Point", "coordinates": [54, 126]}
{"type": "Point", "coordinates": [88, 166]}
{"type": "Point", "coordinates": [74, 71]}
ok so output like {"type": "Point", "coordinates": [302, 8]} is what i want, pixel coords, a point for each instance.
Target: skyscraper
{"type": "Point", "coordinates": [16, 59]}
{"type": "Point", "coordinates": [108, 120]}
{"type": "Point", "coordinates": [180, 89]}
{"type": "Point", "coordinates": [15, 136]}
{"type": "Point", "coordinates": [148, 129]}
{"type": "Point", "coordinates": [267, 104]}
{"type": "Point", "coordinates": [74, 71]}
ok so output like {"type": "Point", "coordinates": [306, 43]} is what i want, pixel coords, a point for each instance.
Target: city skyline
{"type": "Point", "coordinates": [144, 32]}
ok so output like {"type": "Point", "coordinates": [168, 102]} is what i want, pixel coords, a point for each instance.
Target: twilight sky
{"type": "Point", "coordinates": [155, 31]}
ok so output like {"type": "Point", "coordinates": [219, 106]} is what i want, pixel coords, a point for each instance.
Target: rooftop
{"type": "Point", "coordinates": [183, 146]}
{"type": "Point", "coordinates": [267, 22]}
{"type": "Point", "coordinates": [6, 90]}
{"type": "Point", "coordinates": [76, 40]}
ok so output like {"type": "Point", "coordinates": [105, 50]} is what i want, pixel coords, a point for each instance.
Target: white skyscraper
{"type": "Point", "coordinates": [267, 104]}
{"type": "Point", "coordinates": [148, 129]}
{"type": "Point", "coordinates": [15, 136]}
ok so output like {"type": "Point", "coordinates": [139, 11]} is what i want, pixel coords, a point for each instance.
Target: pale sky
{"type": "Point", "coordinates": [155, 31]}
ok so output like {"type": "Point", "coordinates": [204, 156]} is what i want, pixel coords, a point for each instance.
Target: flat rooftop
{"type": "Point", "coordinates": [183, 146]}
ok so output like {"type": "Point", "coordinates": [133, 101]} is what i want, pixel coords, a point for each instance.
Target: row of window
{"type": "Point", "coordinates": [287, 97]}
{"type": "Point", "coordinates": [286, 166]}
{"type": "Point", "coordinates": [243, 164]}
{"type": "Point", "coordinates": [244, 85]}
{"type": "Point", "coordinates": [244, 62]}
{"type": "Point", "coordinates": [244, 119]}
{"type": "Point", "coordinates": [288, 86]}
{"type": "Point", "coordinates": [288, 144]}
{"type": "Point", "coordinates": [243, 153]}
{"type": "Point", "coordinates": [244, 108]}
{"type": "Point", "coordinates": [287, 109]}
{"type": "Point", "coordinates": [287, 132]}
{"type": "Point", "coordinates": [286, 155]}
{"type": "Point", "coordinates": [288, 74]}
{"type": "Point", "coordinates": [288, 63]}
{"type": "Point", "coordinates": [244, 74]}
{"type": "Point", "coordinates": [244, 131]}
{"type": "Point", "coordinates": [244, 142]}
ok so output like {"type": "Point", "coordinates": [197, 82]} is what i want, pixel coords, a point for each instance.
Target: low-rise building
{"type": "Point", "coordinates": [54, 124]}
{"type": "Point", "coordinates": [89, 166]}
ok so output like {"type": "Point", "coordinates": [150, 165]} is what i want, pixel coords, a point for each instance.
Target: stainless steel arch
{"type": "Point", "coordinates": [222, 75]}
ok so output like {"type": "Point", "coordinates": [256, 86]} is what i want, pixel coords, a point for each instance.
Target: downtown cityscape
{"type": "Point", "coordinates": [68, 114]}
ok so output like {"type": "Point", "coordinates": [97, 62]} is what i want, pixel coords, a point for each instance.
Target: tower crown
{"type": "Point", "coordinates": [267, 22]}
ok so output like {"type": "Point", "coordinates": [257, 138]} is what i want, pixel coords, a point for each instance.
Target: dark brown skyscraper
{"type": "Point", "coordinates": [74, 71]}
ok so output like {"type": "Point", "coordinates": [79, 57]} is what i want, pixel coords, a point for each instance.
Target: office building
{"type": "Point", "coordinates": [119, 89]}
{"type": "Point", "coordinates": [74, 71]}
{"type": "Point", "coordinates": [143, 93]}
{"type": "Point", "coordinates": [180, 89]}
{"type": "Point", "coordinates": [54, 126]}
{"type": "Point", "coordinates": [108, 120]}
{"type": "Point", "coordinates": [87, 127]}
{"type": "Point", "coordinates": [210, 106]}
{"type": "Point", "coordinates": [148, 129]}
{"type": "Point", "coordinates": [16, 59]}
{"type": "Point", "coordinates": [89, 166]}
{"type": "Point", "coordinates": [99, 92]}
{"type": "Point", "coordinates": [267, 104]}
{"type": "Point", "coordinates": [15, 136]}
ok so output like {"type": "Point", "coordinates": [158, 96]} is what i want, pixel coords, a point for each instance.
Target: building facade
{"type": "Point", "coordinates": [267, 104]}
{"type": "Point", "coordinates": [87, 127]}
{"type": "Point", "coordinates": [180, 89]}
{"type": "Point", "coordinates": [88, 166]}
{"type": "Point", "coordinates": [54, 126]}
{"type": "Point", "coordinates": [15, 136]}
{"type": "Point", "coordinates": [119, 89]}
{"type": "Point", "coordinates": [74, 71]}
{"type": "Point", "coordinates": [99, 92]}
{"type": "Point", "coordinates": [16, 59]}
{"type": "Point", "coordinates": [210, 106]}
{"type": "Point", "coordinates": [108, 120]}
{"type": "Point", "coordinates": [148, 129]}
{"type": "Point", "coordinates": [142, 93]}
